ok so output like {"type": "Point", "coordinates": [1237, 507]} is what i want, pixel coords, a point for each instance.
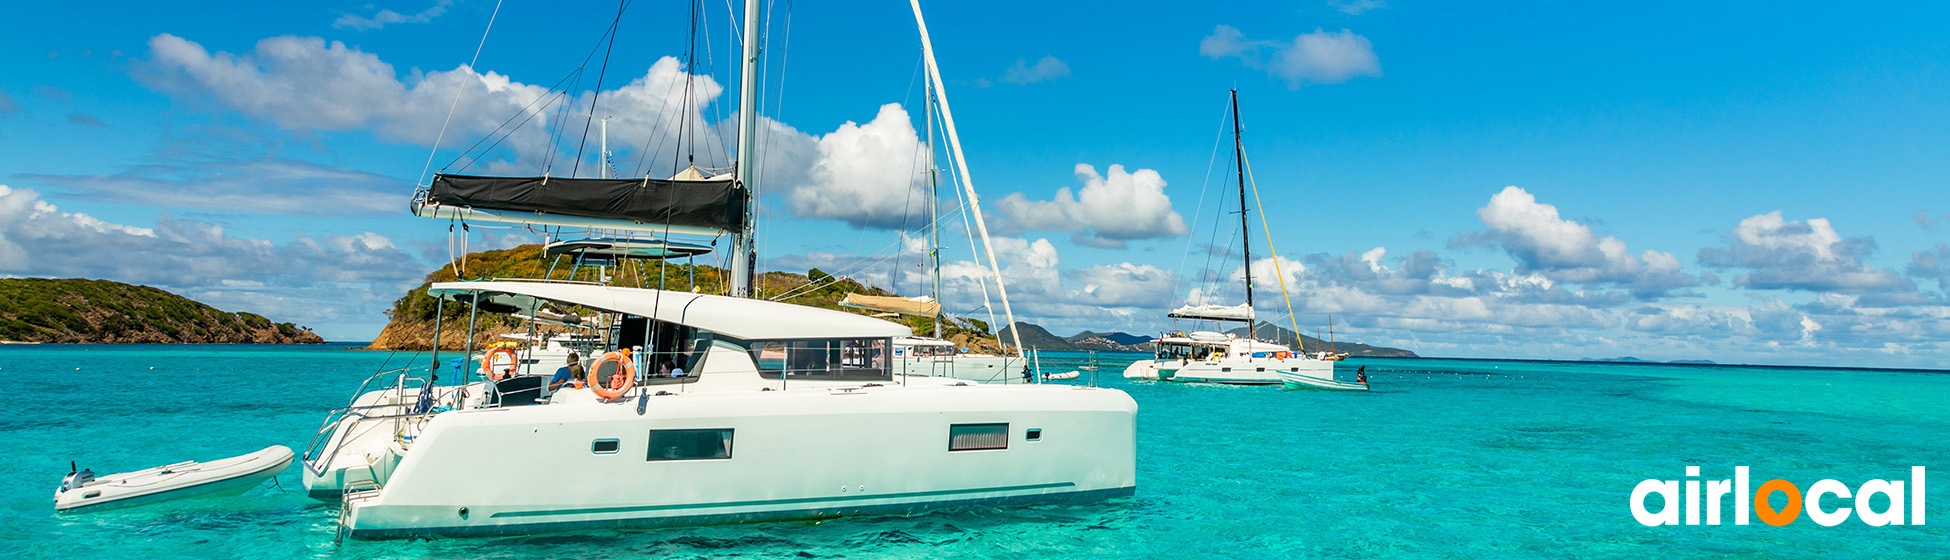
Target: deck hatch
{"type": "Point", "coordinates": [972, 437]}
{"type": "Point", "coordinates": [688, 445]}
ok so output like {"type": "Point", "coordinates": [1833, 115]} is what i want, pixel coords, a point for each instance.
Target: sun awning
{"type": "Point", "coordinates": [634, 204]}
{"type": "Point", "coordinates": [923, 306]}
{"type": "Point", "coordinates": [1241, 312]}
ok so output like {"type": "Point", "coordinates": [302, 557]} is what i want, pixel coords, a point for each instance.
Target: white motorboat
{"type": "Point", "coordinates": [82, 490]}
{"type": "Point", "coordinates": [808, 390]}
{"type": "Point", "coordinates": [1307, 380]}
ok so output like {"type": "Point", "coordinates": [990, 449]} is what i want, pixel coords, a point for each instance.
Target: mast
{"type": "Point", "coordinates": [742, 252]}
{"type": "Point", "coordinates": [934, 212]}
{"type": "Point", "coordinates": [604, 155]}
{"type": "Point", "coordinates": [961, 166]}
{"type": "Point", "coordinates": [1245, 235]}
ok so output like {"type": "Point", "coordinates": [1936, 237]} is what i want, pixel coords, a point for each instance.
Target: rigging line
{"type": "Point", "coordinates": [1209, 163]}
{"type": "Point", "coordinates": [600, 73]}
{"type": "Point", "coordinates": [778, 110]}
{"type": "Point", "coordinates": [457, 91]}
{"type": "Point", "coordinates": [1281, 274]}
{"type": "Point", "coordinates": [907, 205]}
{"type": "Point", "coordinates": [561, 116]}
{"type": "Point", "coordinates": [504, 124]}
{"type": "Point", "coordinates": [961, 206]}
{"type": "Point", "coordinates": [505, 137]}
{"type": "Point", "coordinates": [854, 266]}
{"type": "Point", "coordinates": [688, 127]}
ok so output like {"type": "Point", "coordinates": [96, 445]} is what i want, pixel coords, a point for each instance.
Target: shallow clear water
{"type": "Point", "coordinates": [1446, 459]}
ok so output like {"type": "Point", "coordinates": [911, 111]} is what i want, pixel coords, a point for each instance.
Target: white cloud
{"type": "Point", "coordinates": [1778, 254]}
{"type": "Point", "coordinates": [386, 17]}
{"type": "Point", "coordinates": [1049, 68]}
{"type": "Point", "coordinates": [1924, 220]}
{"type": "Point", "coordinates": [335, 279]}
{"type": "Point", "coordinates": [1357, 7]}
{"type": "Point", "coordinates": [1567, 251]}
{"type": "Point", "coordinates": [306, 84]}
{"type": "Point", "coordinates": [1319, 57]}
{"type": "Point", "coordinates": [1109, 210]}
{"type": "Point", "coordinates": [259, 185]}
{"type": "Point", "coordinates": [867, 175]}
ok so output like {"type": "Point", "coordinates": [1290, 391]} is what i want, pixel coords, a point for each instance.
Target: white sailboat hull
{"type": "Point", "coordinates": [1236, 371]}
{"type": "Point", "coordinates": [791, 457]}
{"type": "Point", "coordinates": [980, 369]}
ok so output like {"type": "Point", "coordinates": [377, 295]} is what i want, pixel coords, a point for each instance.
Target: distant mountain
{"type": "Point", "coordinates": [1111, 342]}
{"type": "Point", "coordinates": [1620, 359]}
{"type": "Point", "coordinates": [73, 310]}
{"type": "Point", "coordinates": [1035, 337]}
{"type": "Point", "coordinates": [1274, 333]}
{"type": "Point", "coordinates": [1695, 362]}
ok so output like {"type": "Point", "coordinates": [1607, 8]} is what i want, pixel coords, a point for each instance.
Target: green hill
{"type": "Point", "coordinates": [411, 320]}
{"type": "Point", "coordinates": [72, 310]}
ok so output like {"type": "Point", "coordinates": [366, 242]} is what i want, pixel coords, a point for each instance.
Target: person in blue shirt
{"type": "Point", "coordinates": [571, 374]}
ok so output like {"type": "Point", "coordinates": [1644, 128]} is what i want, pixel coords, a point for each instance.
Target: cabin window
{"type": "Point", "coordinates": [688, 445]}
{"type": "Point", "coordinates": [1034, 434]}
{"type": "Point", "coordinates": [604, 446]}
{"type": "Point", "coordinates": [972, 437]}
{"type": "Point", "coordinates": [841, 359]}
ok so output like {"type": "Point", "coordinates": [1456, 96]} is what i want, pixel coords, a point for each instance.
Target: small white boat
{"type": "Point", "coordinates": [1072, 374]}
{"type": "Point", "coordinates": [222, 477]}
{"type": "Point", "coordinates": [1312, 379]}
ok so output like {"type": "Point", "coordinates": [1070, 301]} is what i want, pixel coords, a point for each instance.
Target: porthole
{"type": "Point", "coordinates": [1034, 434]}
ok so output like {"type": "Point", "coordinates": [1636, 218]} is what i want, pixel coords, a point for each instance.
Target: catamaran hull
{"type": "Point", "coordinates": [791, 457]}
{"type": "Point", "coordinates": [980, 369]}
{"type": "Point", "coordinates": [1240, 371]}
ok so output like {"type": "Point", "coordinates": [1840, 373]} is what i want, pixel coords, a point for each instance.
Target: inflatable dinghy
{"type": "Point", "coordinates": [81, 489]}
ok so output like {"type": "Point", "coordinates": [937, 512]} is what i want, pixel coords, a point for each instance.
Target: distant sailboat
{"type": "Point", "coordinates": [1214, 357]}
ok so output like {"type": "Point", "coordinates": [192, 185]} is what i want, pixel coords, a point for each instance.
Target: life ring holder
{"type": "Point", "coordinates": [624, 369]}
{"type": "Point", "coordinates": [487, 363]}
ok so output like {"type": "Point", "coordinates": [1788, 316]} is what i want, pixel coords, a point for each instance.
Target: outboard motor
{"type": "Point", "coordinates": [76, 478]}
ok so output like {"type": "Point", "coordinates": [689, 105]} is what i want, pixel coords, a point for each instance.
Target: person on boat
{"type": "Point", "coordinates": [1361, 375]}
{"type": "Point", "coordinates": [669, 369]}
{"type": "Point", "coordinates": [571, 375]}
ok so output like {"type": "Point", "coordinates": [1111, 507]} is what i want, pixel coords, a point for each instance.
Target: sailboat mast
{"type": "Point", "coordinates": [934, 213]}
{"type": "Point", "coordinates": [742, 253]}
{"type": "Point", "coordinates": [1245, 235]}
{"type": "Point", "coordinates": [961, 166]}
{"type": "Point", "coordinates": [604, 154]}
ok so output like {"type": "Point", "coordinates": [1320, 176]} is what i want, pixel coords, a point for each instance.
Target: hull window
{"type": "Point", "coordinates": [604, 446]}
{"type": "Point", "coordinates": [972, 437]}
{"type": "Point", "coordinates": [1035, 434]}
{"type": "Point", "coordinates": [689, 445]}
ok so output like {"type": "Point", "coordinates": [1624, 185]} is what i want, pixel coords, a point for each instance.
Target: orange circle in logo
{"type": "Point", "coordinates": [1777, 517]}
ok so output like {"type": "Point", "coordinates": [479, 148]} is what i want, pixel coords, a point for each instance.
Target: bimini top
{"type": "Point", "coordinates": [749, 319]}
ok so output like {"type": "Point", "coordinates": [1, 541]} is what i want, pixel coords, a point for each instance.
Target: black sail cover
{"type": "Point", "coordinates": [709, 204]}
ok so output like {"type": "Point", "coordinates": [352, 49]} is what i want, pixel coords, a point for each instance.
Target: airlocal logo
{"type": "Point", "coordinates": [1716, 491]}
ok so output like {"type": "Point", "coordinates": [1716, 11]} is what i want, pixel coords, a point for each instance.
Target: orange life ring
{"type": "Point", "coordinates": [487, 363]}
{"type": "Point", "coordinates": [603, 387]}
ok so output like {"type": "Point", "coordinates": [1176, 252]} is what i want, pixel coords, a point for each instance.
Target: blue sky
{"type": "Point", "coordinates": [1741, 182]}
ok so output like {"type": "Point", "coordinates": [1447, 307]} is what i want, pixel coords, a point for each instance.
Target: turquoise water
{"type": "Point", "coordinates": [1445, 459]}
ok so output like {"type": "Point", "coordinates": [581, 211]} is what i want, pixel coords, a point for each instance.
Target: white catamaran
{"type": "Point", "coordinates": [782, 411]}
{"type": "Point", "coordinates": [1214, 357]}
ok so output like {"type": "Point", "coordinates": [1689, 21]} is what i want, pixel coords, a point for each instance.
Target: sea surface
{"type": "Point", "coordinates": [1444, 459]}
